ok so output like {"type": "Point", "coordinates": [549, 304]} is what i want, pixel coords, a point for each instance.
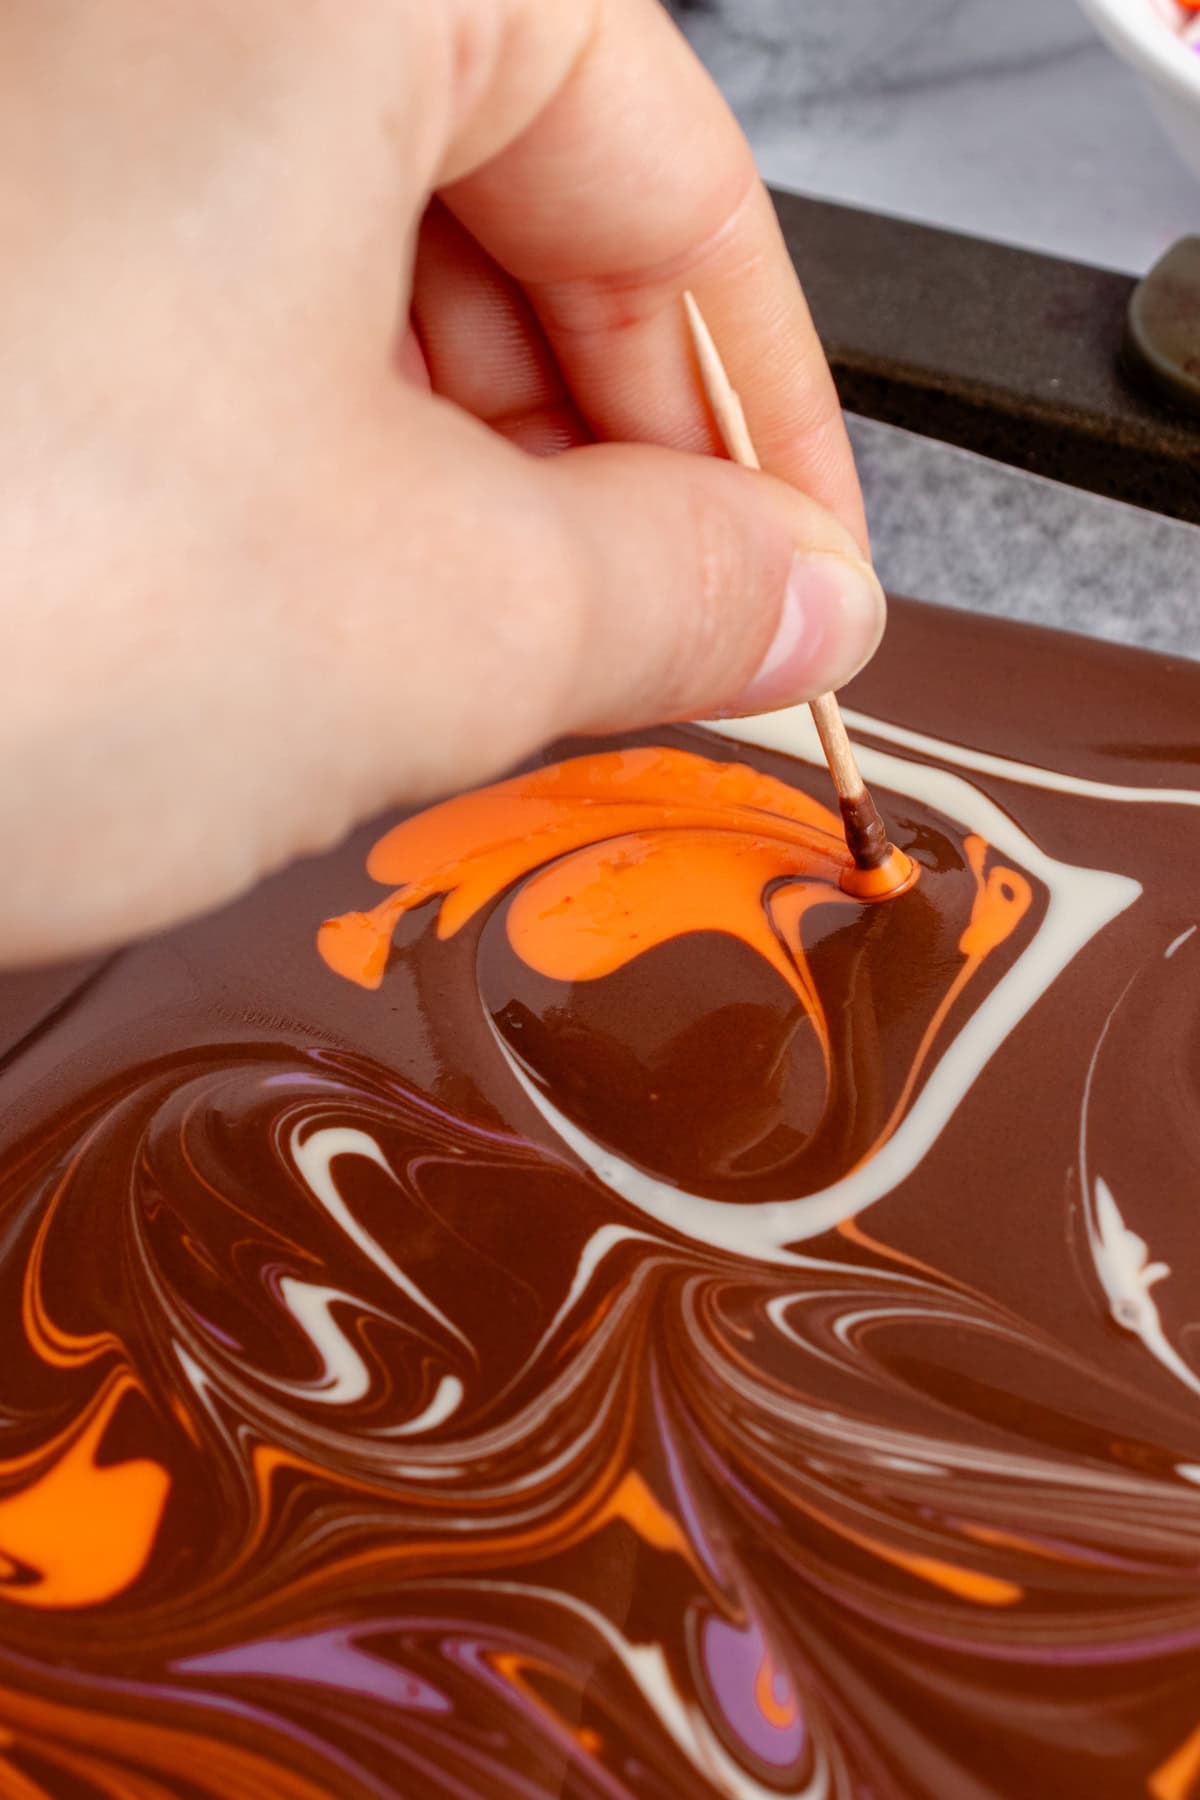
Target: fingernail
{"type": "Point", "coordinates": [832, 619]}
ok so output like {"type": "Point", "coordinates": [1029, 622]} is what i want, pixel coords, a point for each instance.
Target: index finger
{"type": "Point", "coordinates": [634, 183]}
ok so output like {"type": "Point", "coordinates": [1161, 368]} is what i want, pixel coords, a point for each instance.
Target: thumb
{"type": "Point", "coordinates": [370, 627]}
{"type": "Point", "coordinates": [511, 600]}
{"type": "Point", "coordinates": [699, 588]}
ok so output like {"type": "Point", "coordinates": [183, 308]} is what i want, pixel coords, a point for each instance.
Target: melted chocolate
{"type": "Point", "coordinates": [767, 1361]}
{"type": "Point", "coordinates": [866, 833]}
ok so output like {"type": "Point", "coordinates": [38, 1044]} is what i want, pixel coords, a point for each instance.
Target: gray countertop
{"type": "Point", "coordinates": [1008, 121]}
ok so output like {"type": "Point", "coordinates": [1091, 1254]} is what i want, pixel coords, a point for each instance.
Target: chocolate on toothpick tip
{"type": "Point", "coordinates": [884, 869]}
{"type": "Point", "coordinates": [866, 833]}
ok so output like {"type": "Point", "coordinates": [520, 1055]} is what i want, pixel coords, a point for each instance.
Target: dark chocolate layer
{"type": "Point", "coordinates": [497, 1384]}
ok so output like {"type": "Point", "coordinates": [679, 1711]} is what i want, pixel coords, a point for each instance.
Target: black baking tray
{"type": "Point", "coordinates": [1000, 350]}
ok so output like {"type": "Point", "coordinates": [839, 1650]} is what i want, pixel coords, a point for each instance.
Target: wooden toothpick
{"type": "Point", "coordinates": [866, 834]}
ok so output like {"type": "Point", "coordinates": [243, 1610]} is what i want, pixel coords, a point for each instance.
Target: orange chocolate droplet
{"type": "Point", "coordinates": [356, 945]}
{"type": "Point", "coordinates": [894, 876]}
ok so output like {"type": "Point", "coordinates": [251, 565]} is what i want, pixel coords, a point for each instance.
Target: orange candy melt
{"type": "Point", "coordinates": [629, 849]}
{"type": "Point", "coordinates": [83, 1529]}
{"type": "Point", "coordinates": [590, 914]}
{"type": "Point", "coordinates": [894, 876]}
{"type": "Point", "coordinates": [470, 849]}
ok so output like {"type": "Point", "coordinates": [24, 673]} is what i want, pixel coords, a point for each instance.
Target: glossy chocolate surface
{"type": "Point", "coordinates": [766, 1361]}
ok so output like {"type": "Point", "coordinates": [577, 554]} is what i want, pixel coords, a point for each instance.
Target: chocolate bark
{"type": "Point", "coordinates": [673, 1379]}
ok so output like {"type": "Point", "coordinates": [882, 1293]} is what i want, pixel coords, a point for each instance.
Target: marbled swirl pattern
{"type": "Point", "coordinates": [385, 1412]}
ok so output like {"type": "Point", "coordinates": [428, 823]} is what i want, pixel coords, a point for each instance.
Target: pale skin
{"type": "Point", "coordinates": [347, 451]}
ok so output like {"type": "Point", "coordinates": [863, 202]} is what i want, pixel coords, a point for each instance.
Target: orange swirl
{"type": "Point", "coordinates": [83, 1530]}
{"type": "Point", "coordinates": [623, 851]}
{"type": "Point", "coordinates": [631, 848]}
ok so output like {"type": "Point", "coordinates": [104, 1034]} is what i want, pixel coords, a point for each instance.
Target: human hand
{"type": "Point", "coordinates": [274, 554]}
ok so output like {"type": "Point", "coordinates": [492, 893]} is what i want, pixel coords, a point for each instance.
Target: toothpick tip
{"type": "Point", "coordinates": [706, 348]}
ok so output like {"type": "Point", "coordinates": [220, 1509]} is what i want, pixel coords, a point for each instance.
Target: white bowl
{"type": "Point", "coordinates": [1140, 32]}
